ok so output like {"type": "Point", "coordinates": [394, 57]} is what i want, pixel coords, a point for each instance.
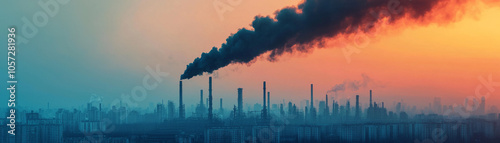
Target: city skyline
{"type": "Point", "coordinates": [348, 122]}
{"type": "Point", "coordinates": [477, 107]}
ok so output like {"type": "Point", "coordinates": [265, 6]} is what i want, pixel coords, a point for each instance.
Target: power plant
{"type": "Point", "coordinates": [235, 124]}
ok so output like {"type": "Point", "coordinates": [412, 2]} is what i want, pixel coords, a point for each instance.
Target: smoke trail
{"type": "Point", "coordinates": [354, 85]}
{"type": "Point", "coordinates": [311, 22]}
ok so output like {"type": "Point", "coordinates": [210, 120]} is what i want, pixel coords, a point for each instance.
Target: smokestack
{"type": "Point", "coordinates": [371, 103]}
{"type": "Point", "coordinates": [240, 101]}
{"type": "Point", "coordinates": [327, 109]}
{"type": "Point", "coordinates": [181, 105]}
{"type": "Point", "coordinates": [357, 107]}
{"type": "Point", "coordinates": [264, 110]}
{"type": "Point", "coordinates": [220, 104]}
{"type": "Point", "coordinates": [210, 115]}
{"type": "Point", "coordinates": [326, 100]}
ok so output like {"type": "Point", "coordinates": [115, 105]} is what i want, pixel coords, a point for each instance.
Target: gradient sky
{"type": "Point", "coordinates": [102, 48]}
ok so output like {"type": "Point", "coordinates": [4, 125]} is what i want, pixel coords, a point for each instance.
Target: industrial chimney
{"type": "Point", "coordinates": [264, 110]}
{"type": "Point", "coordinates": [371, 105]}
{"type": "Point", "coordinates": [358, 110]}
{"type": "Point", "coordinates": [326, 100]}
{"type": "Point", "coordinates": [210, 114]}
{"type": "Point", "coordinates": [181, 105]}
{"type": "Point", "coordinates": [327, 109]}
{"type": "Point", "coordinates": [240, 101]}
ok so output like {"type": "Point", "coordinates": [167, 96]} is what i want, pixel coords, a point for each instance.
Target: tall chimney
{"type": "Point", "coordinates": [371, 103]}
{"type": "Point", "coordinates": [181, 105]}
{"type": "Point", "coordinates": [210, 115]}
{"type": "Point", "coordinates": [327, 109]}
{"type": "Point", "coordinates": [326, 100]}
{"type": "Point", "coordinates": [240, 101]}
{"type": "Point", "coordinates": [357, 112]}
{"type": "Point", "coordinates": [264, 109]}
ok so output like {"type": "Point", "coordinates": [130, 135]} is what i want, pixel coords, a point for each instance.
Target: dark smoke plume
{"type": "Point", "coordinates": [310, 23]}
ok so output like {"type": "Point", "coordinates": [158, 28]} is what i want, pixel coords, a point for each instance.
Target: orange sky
{"type": "Point", "coordinates": [413, 64]}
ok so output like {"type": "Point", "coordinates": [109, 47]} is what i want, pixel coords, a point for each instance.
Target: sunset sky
{"type": "Point", "coordinates": [105, 51]}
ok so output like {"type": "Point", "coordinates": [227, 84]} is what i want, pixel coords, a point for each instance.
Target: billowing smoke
{"type": "Point", "coordinates": [306, 26]}
{"type": "Point", "coordinates": [352, 85]}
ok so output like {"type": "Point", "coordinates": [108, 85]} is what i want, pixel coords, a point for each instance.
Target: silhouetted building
{"type": "Point", "coordinates": [37, 129]}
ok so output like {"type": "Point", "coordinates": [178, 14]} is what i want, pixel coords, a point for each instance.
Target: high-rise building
{"type": "Point", "coordinates": [160, 112]}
